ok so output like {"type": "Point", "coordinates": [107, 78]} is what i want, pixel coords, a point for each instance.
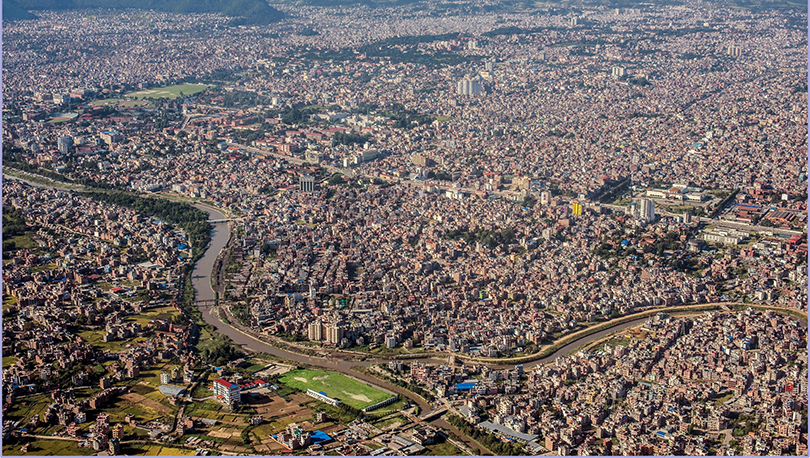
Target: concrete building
{"type": "Point", "coordinates": [315, 331]}
{"type": "Point", "coordinates": [65, 143]}
{"type": "Point", "coordinates": [307, 183]}
{"type": "Point", "coordinates": [421, 160]}
{"type": "Point", "coordinates": [643, 210]}
{"type": "Point", "coordinates": [469, 87]}
{"type": "Point", "coordinates": [227, 392]}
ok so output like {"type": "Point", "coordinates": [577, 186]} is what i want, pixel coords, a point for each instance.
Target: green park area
{"type": "Point", "coordinates": [349, 391]}
{"type": "Point", "coordinates": [169, 92]}
{"type": "Point", "coordinates": [168, 313]}
{"type": "Point", "coordinates": [58, 120]}
{"type": "Point", "coordinates": [120, 103]}
{"type": "Point", "coordinates": [105, 102]}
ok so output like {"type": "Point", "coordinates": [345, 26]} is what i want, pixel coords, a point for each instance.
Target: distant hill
{"type": "Point", "coordinates": [13, 12]}
{"type": "Point", "coordinates": [249, 12]}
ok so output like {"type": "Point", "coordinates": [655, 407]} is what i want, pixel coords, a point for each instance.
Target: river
{"type": "Point", "coordinates": [201, 279]}
{"type": "Point", "coordinates": [201, 275]}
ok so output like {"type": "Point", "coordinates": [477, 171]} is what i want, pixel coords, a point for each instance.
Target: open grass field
{"type": "Point", "coordinates": [23, 241]}
{"type": "Point", "coordinates": [8, 361]}
{"type": "Point", "coordinates": [169, 92]}
{"type": "Point", "coordinates": [157, 313]}
{"type": "Point", "coordinates": [8, 302]}
{"type": "Point", "coordinates": [58, 120]}
{"type": "Point", "coordinates": [391, 423]}
{"type": "Point", "coordinates": [443, 448]}
{"type": "Point", "coordinates": [134, 104]}
{"type": "Point", "coordinates": [96, 339]}
{"type": "Point", "coordinates": [352, 392]}
{"type": "Point", "coordinates": [120, 103]}
{"type": "Point", "coordinates": [105, 102]}
{"type": "Point", "coordinates": [43, 267]}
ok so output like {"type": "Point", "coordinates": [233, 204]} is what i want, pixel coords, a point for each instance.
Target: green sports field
{"type": "Point", "coordinates": [169, 92]}
{"type": "Point", "coordinates": [349, 391]}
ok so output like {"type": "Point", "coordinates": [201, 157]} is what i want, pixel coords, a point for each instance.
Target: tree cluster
{"type": "Point", "coordinates": [192, 220]}
{"type": "Point", "coordinates": [484, 236]}
{"type": "Point", "coordinates": [488, 440]}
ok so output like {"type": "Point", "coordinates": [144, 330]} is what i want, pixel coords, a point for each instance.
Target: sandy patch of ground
{"type": "Point", "coordinates": [358, 397]}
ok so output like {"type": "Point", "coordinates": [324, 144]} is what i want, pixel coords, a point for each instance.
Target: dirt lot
{"type": "Point", "coordinates": [138, 399]}
{"type": "Point", "coordinates": [277, 407]}
{"type": "Point", "coordinates": [274, 369]}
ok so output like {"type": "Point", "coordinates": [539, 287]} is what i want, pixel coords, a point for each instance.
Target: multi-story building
{"type": "Point", "coordinates": [334, 333]}
{"type": "Point", "coordinates": [315, 331]}
{"type": "Point", "coordinates": [65, 142]}
{"type": "Point", "coordinates": [227, 392]}
{"type": "Point", "coordinates": [469, 87]}
{"type": "Point", "coordinates": [421, 160]}
{"type": "Point", "coordinates": [307, 183]}
{"type": "Point", "coordinates": [643, 210]}
{"type": "Point", "coordinates": [734, 51]}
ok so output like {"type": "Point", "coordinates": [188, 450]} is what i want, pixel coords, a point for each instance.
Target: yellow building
{"type": "Point", "coordinates": [576, 208]}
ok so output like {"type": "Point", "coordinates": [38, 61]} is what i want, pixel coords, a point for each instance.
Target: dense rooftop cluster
{"type": "Point", "coordinates": [373, 201]}
{"type": "Point", "coordinates": [681, 386]}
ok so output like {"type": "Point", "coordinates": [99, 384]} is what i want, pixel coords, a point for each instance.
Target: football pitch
{"type": "Point", "coordinates": [347, 390]}
{"type": "Point", "coordinates": [169, 92]}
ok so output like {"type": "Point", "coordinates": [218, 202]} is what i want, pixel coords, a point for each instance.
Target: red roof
{"type": "Point", "coordinates": [259, 381]}
{"type": "Point", "coordinates": [224, 382]}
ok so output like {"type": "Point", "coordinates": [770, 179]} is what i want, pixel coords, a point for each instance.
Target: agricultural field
{"type": "Point", "coordinates": [215, 411]}
{"type": "Point", "coordinates": [352, 392]}
{"type": "Point", "coordinates": [133, 403]}
{"type": "Point", "coordinates": [48, 447]}
{"type": "Point", "coordinates": [169, 92]}
{"type": "Point", "coordinates": [24, 410]}
{"type": "Point", "coordinates": [155, 450]}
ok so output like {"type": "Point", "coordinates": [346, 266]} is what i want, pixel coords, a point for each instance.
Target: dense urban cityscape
{"type": "Point", "coordinates": [471, 228]}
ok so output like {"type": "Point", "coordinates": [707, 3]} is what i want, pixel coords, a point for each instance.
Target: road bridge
{"type": "Point", "coordinates": [205, 303]}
